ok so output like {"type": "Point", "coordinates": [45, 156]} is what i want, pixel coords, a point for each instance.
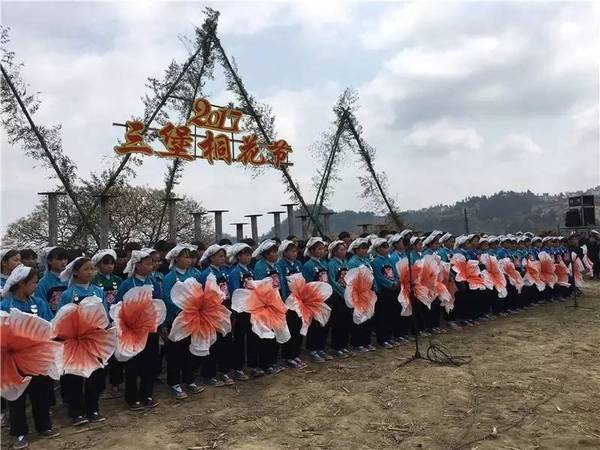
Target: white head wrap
{"type": "Point", "coordinates": [357, 243]}
{"type": "Point", "coordinates": [175, 251]}
{"type": "Point", "coordinates": [263, 247]}
{"type": "Point", "coordinates": [376, 243]}
{"type": "Point", "coordinates": [460, 240]}
{"type": "Point", "coordinates": [148, 250]}
{"type": "Point", "coordinates": [445, 237]}
{"type": "Point", "coordinates": [66, 276]}
{"type": "Point", "coordinates": [43, 258]}
{"type": "Point", "coordinates": [414, 239]}
{"type": "Point", "coordinates": [311, 243]}
{"type": "Point", "coordinates": [136, 257]}
{"type": "Point", "coordinates": [429, 239]}
{"type": "Point", "coordinates": [101, 254]}
{"type": "Point", "coordinates": [332, 247]}
{"type": "Point", "coordinates": [394, 238]}
{"type": "Point", "coordinates": [235, 250]}
{"type": "Point", "coordinates": [212, 250]}
{"type": "Point", "coordinates": [284, 246]}
{"type": "Point", "coordinates": [372, 237]}
{"type": "Point", "coordinates": [4, 251]}
{"type": "Point", "coordinates": [403, 233]}
{"type": "Point", "coordinates": [19, 273]}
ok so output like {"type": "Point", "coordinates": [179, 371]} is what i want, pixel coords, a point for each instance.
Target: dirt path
{"type": "Point", "coordinates": [533, 383]}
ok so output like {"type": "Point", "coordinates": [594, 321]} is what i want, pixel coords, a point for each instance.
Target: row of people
{"type": "Point", "coordinates": [394, 264]}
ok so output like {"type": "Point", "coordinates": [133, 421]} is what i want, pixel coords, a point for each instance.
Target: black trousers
{"type": "Point", "coordinates": [37, 391]}
{"type": "Point", "coordinates": [262, 353]}
{"type": "Point", "coordinates": [142, 366]}
{"type": "Point", "coordinates": [317, 336]}
{"type": "Point", "coordinates": [115, 371]}
{"type": "Point", "coordinates": [82, 394]}
{"type": "Point", "coordinates": [291, 349]}
{"type": "Point", "coordinates": [220, 359]}
{"type": "Point", "coordinates": [180, 362]}
{"type": "Point", "coordinates": [434, 314]}
{"type": "Point", "coordinates": [421, 314]}
{"type": "Point", "coordinates": [341, 322]}
{"type": "Point", "coordinates": [384, 314]}
{"type": "Point", "coordinates": [241, 330]}
{"type": "Point", "coordinates": [360, 335]}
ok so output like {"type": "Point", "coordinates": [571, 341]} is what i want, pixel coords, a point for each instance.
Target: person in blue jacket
{"type": "Point", "coordinates": [262, 353]}
{"type": "Point", "coordinates": [315, 269]}
{"type": "Point", "coordinates": [145, 366]}
{"type": "Point", "coordinates": [180, 362]}
{"type": "Point", "coordinates": [341, 314]}
{"type": "Point", "coordinates": [397, 249]}
{"type": "Point", "coordinates": [444, 251]}
{"type": "Point", "coordinates": [53, 261]}
{"type": "Point", "coordinates": [360, 335]}
{"type": "Point", "coordinates": [9, 259]}
{"type": "Point", "coordinates": [82, 394]}
{"type": "Point", "coordinates": [17, 293]}
{"type": "Point", "coordinates": [219, 363]}
{"type": "Point", "coordinates": [289, 265]}
{"type": "Point", "coordinates": [387, 288]}
{"type": "Point", "coordinates": [240, 256]}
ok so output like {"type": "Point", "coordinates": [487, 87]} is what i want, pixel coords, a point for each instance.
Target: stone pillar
{"type": "Point", "coordinates": [239, 230]}
{"type": "Point", "coordinates": [218, 223]}
{"type": "Point", "coordinates": [198, 225]}
{"type": "Point", "coordinates": [52, 216]}
{"type": "Point", "coordinates": [290, 217]}
{"type": "Point", "coordinates": [254, 225]}
{"type": "Point", "coordinates": [277, 223]}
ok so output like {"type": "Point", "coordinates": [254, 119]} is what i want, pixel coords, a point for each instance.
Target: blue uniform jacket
{"type": "Point", "coordinates": [286, 268]}
{"type": "Point", "coordinates": [50, 288]}
{"type": "Point", "coordinates": [173, 276]}
{"type": "Point", "coordinates": [33, 305]}
{"type": "Point", "coordinates": [77, 292]}
{"type": "Point", "coordinates": [336, 270]}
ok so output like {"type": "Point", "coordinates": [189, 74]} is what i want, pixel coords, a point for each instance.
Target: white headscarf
{"type": "Point", "coordinates": [429, 239]}
{"type": "Point", "coordinates": [311, 243]}
{"type": "Point", "coordinates": [101, 254]}
{"type": "Point", "coordinates": [376, 243]}
{"type": "Point", "coordinates": [235, 250]}
{"type": "Point", "coordinates": [175, 251]}
{"type": "Point", "coordinates": [405, 232]}
{"type": "Point", "coordinates": [357, 243]}
{"type": "Point", "coordinates": [148, 250]}
{"type": "Point", "coordinates": [332, 247]}
{"type": "Point", "coordinates": [445, 237]}
{"type": "Point", "coordinates": [212, 250]}
{"type": "Point", "coordinates": [395, 238]}
{"type": "Point", "coordinates": [263, 247]}
{"type": "Point", "coordinates": [19, 273]}
{"type": "Point", "coordinates": [136, 257]}
{"type": "Point", "coordinates": [284, 246]}
{"type": "Point", "coordinates": [66, 276]}
{"type": "Point", "coordinates": [4, 251]}
{"type": "Point", "coordinates": [460, 240]}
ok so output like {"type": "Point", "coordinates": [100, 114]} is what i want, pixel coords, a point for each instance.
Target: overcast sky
{"type": "Point", "coordinates": [457, 98]}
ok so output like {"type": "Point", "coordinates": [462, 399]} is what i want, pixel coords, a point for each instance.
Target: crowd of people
{"type": "Point", "coordinates": [412, 283]}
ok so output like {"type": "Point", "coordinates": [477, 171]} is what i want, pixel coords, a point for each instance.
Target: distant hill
{"type": "Point", "coordinates": [505, 211]}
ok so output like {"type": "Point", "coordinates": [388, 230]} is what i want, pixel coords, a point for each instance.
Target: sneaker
{"type": "Point", "coordinates": [256, 372]}
{"type": "Point", "coordinates": [96, 417]}
{"type": "Point", "coordinates": [360, 349]}
{"type": "Point", "coordinates": [301, 364]}
{"type": "Point", "coordinates": [177, 392]}
{"type": "Point", "coordinates": [20, 442]}
{"type": "Point", "coordinates": [315, 357]}
{"type": "Point", "coordinates": [339, 354]}
{"type": "Point", "coordinates": [424, 334]}
{"type": "Point", "coordinates": [292, 363]}
{"type": "Point", "coordinates": [239, 375]}
{"type": "Point", "coordinates": [215, 382]}
{"type": "Point", "coordinates": [49, 433]}
{"type": "Point", "coordinates": [387, 345]}
{"type": "Point", "coordinates": [193, 388]}
{"type": "Point", "coordinates": [227, 380]}
{"type": "Point", "coordinates": [270, 370]}
{"type": "Point", "coordinates": [326, 356]}
{"type": "Point", "coordinates": [136, 406]}
{"type": "Point", "coordinates": [149, 403]}
{"type": "Point", "coordinates": [371, 348]}
{"type": "Point", "coordinates": [113, 392]}
{"type": "Point", "coordinates": [277, 368]}
{"type": "Point", "coordinates": [347, 352]}
{"type": "Point", "coordinates": [454, 326]}
{"type": "Point", "coordinates": [79, 420]}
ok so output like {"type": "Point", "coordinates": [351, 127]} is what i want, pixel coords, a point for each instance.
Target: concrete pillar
{"type": "Point", "coordinates": [52, 216]}
{"type": "Point", "coordinates": [326, 223]}
{"type": "Point", "coordinates": [254, 225]}
{"type": "Point", "coordinates": [239, 230]}
{"type": "Point", "coordinates": [277, 223]}
{"type": "Point", "coordinates": [303, 218]}
{"type": "Point", "coordinates": [290, 217]}
{"type": "Point", "coordinates": [218, 223]}
{"type": "Point", "coordinates": [365, 227]}
{"type": "Point", "coordinates": [198, 225]}
{"type": "Point", "coordinates": [172, 210]}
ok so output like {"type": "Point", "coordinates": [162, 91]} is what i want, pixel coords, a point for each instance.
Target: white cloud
{"type": "Point", "coordinates": [442, 137]}
{"type": "Point", "coordinates": [516, 145]}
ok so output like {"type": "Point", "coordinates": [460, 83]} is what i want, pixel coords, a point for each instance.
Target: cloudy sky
{"type": "Point", "coordinates": [458, 98]}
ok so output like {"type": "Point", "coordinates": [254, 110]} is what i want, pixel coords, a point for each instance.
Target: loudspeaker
{"type": "Point", "coordinates": [573, 218]}
{"type": "Point", "coordinates": [575, 201]}
{"type": "Point", "coordinates": [589, 215]}
{"type": "Point", "coordinates": [587, 200]}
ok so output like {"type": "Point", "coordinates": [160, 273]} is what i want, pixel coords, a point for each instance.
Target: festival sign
{"type": "Point", "coordinates": [214, 145]}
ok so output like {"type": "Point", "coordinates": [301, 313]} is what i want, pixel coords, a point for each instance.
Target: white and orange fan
{"type": "Point", "coordinates": [359, 293]}
{"type": "Point", "coordinates": [202, 314]}
{"type": "Point", "coordinates": [532, 274]}
{"type": "Point", "coordinates": [267, 311]}
{"type": "Point", "coordinates": [493, 274]}
{"type": "Point", "coordinates": [308, 300]}
{"type": "Point", "coordinates": [137, 315]}
{"type": "Point", "coordinates": [87, 343]}
{"type": "Point", "coordinates": [468, 271]}
{"type": "Point", "coordinates": [512, 274]}
{"type": "Point", "coordinates": [27, 349]}
{"type": "Point", "coordinates": [547, 269]}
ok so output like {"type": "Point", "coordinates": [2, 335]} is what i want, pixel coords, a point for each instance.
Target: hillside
{"type": "Point", "coordinates": [505, 211]}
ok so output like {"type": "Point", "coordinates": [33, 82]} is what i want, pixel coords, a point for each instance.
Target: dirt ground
{"type": "Point", "coordinates": [533, 383]}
